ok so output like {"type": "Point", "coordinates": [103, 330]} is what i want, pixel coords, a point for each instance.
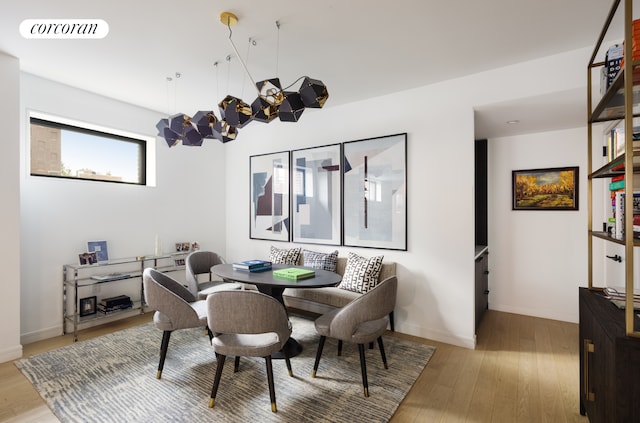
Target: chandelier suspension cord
{"type": "Point", "coordinates": [215, 65]}
{"type": "Point", "coordinates": [241, 61]}
{"type": "Point", "coordinates": [277, 48]}
{"type": "Point", "coordinates": [228, 70]}
{"type": "Point", "coordinates": [249, 44]}
{"type": "Point", "coordinates": [169, 111]}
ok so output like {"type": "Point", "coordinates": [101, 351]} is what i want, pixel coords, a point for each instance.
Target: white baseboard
{"type": "Point", "coordinates": [436, 335]}
{"type": "Point", "coordinates": [39, 335]}
{"type": "Point", "coordinates": [10, 353]}
{"type": "Point", "coordinates": [535, 312]}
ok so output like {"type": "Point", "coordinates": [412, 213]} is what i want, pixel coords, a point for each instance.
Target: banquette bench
{"type": "Point", "coordinates": [322, 300]}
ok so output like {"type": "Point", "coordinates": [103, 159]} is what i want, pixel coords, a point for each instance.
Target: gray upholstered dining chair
{"type": "Point", "coordinates": [199, 263]}
{"type": "Point", "coordinates": [247, 324]}
{"type": "Point", "coordinates": [176, 308]}
{"type": "Point", "coordinates": [361, 321]}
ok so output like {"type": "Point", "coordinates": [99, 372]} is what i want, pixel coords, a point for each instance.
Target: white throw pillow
{"type": "Point", "coordinates": [279, 256]}
{"type": "Point", "coordinates": [324, 261]}
{"type": "Point", "coordinates": [361, 273]}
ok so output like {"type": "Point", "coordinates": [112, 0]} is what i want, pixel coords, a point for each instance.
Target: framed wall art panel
{"type": "Point", "coordinates": [375, 193]}
{"type": "Point", "coordinates": [315, 184]}
{"type": "Point", "coordinates": [269, 191]}
{"type": "Point", "coordinates": [545, 189]}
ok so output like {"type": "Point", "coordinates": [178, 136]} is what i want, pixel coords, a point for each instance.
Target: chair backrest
{"type": "Point", "coordinates": [198, 263]}
{"type": "Point", "coordinates": [167, 296]}
{"type": "Point", "coordinates": [372, 305]}
{"type": "Point", "coordinates": [247, 312]}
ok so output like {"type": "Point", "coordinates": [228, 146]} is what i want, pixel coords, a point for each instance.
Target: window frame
{"type": "Point", "coordinates": [144, 143]}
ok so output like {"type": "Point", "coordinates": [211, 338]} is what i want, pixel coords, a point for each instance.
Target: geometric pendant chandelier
{"type": "Point", "coordinates": [273, 102]}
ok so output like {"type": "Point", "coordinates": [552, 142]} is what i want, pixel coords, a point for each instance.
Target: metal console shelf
{"type": "Point", "coordinates": [80, 281]}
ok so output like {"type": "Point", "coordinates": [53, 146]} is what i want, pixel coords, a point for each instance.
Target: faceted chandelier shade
{"type": "Point", "coordinates": [272, 102]}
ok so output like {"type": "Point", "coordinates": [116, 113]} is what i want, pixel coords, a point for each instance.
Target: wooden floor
{"type": "Point", "coordinates": [524, 369]}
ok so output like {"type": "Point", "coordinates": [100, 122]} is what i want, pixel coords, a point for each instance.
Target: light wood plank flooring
{"type": "Point", "coordinates": [524, 369]}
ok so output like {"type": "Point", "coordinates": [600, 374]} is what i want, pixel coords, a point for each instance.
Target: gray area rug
{"type": "Point", "coordinates": [112, 379]}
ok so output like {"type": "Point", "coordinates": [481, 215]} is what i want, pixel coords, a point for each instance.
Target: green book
{"type": "Point", "coordinates": [616, 185]}
{"type": "Point", "coordinates": [294, 273]}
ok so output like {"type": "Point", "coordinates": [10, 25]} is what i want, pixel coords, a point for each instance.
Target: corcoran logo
{"type": "Point", "coordinates": [64, 28]}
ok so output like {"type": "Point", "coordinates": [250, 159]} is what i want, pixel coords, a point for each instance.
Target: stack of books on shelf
{"type": "Point", "coordinates": [253, 265]}
{"type": "Point", "coordinates": [113, 304]}
{"type": "Point", "coordinates": [615, 140]}
{"type": "Point", "coordinates": [617, 202]}
{"type": "Point", "coordinates": [617, 297]}
{"type": "Point", "coordinates": [635, 38]}
{"type": "Point", "coordinates": [613, 64]}
{"type": "Point", "coordinates": [294, 273]}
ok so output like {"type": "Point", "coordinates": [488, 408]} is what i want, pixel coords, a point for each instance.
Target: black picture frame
{"type": "Point", "coordinates": [374, 193]}
{"type": "Point", "coordinates": [88, 306]}
{"type": "Point", "coordinates": [269, 198]}
{"type": "Point", "coordinates": [316, 195]}
{"type": "Point", "coordinates": [554, 188]}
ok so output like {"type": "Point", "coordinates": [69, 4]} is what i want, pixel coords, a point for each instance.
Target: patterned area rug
{"type": "Point", "coordinates": [112, 379]}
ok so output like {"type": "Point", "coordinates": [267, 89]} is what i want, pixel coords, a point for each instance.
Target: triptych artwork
{"type": "Point", "coordinates": [351, 194]}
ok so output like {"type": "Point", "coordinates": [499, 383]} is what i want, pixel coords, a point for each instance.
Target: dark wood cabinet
{"type": "Point", "coordinates": [609, 362]}
{"type": "Point", "coordinates": [482, 284]}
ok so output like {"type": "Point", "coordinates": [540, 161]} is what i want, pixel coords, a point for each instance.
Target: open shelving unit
{"type": "Point", "coordinates": [620, 102]}
{"type": "Point", "coordinates": [78, 281]}
{"type": "Point", "coordinates": [610, 336]}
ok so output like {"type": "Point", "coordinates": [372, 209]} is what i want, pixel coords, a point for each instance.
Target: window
{"type": "Point", "coordinates": [67, 151]}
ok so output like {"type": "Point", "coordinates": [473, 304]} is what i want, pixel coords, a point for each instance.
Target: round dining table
{"type": "Point", "coordinates": [273, 286]}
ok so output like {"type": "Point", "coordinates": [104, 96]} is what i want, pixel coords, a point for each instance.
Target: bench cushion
{"type": "Point", "coordinates": [332, 296]}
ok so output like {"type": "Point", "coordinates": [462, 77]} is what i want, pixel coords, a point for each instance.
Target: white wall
{"type": "Point", "coordinates": [10, 346]}
{"type": "Point", "coordinates": [58, 216]}
{"type": "Point", "coordinates": [538, 258]}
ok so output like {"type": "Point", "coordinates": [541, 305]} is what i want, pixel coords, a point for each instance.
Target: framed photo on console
{"type": "Point", "coordinates": [316, 194]}
{"type": "Point", "coordinates": [87, 306]}
{"type": "Point", "coordinates": [269, 196]}
{"type": "Point", "coordinates": [374, 193]}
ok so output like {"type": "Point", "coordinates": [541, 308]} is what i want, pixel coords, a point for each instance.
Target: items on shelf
{"type": "Point", "coordinates": [110, 277]}
{"type": "Point", "coordinates": [618, 297]}
{"type": "Point", "coordinates": [613, 63]}
{"type": "Point", "coordinates": [120, 302]}
{"type": "Point", "coordinates": [88, 258]}
{"type": "Point", "coordinates": [100, 248]}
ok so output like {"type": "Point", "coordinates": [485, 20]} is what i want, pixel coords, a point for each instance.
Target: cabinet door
{"type": "Point", "coordinates": [482, 286]}
{"type": "Point", "coordinates": [597, 381]}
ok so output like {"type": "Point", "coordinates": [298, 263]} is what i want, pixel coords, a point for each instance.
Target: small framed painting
{"type": "Point", "coordinates": [87, 306]}
{"type": "Point", "coordinates": [316, 194]}
{"type": "Point", "coordinates": [545, 189]}
{"type": "Point", "coordinates": [100, 248]}
{"type": "Point", "coordinates": [269, 196]}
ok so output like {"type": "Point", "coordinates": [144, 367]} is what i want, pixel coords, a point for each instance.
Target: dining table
{"type": "Point", "coordinates": [271, 285]}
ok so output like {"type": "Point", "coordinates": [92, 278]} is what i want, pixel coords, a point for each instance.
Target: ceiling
{"type": "Point", "coordinates": [358, 48]}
